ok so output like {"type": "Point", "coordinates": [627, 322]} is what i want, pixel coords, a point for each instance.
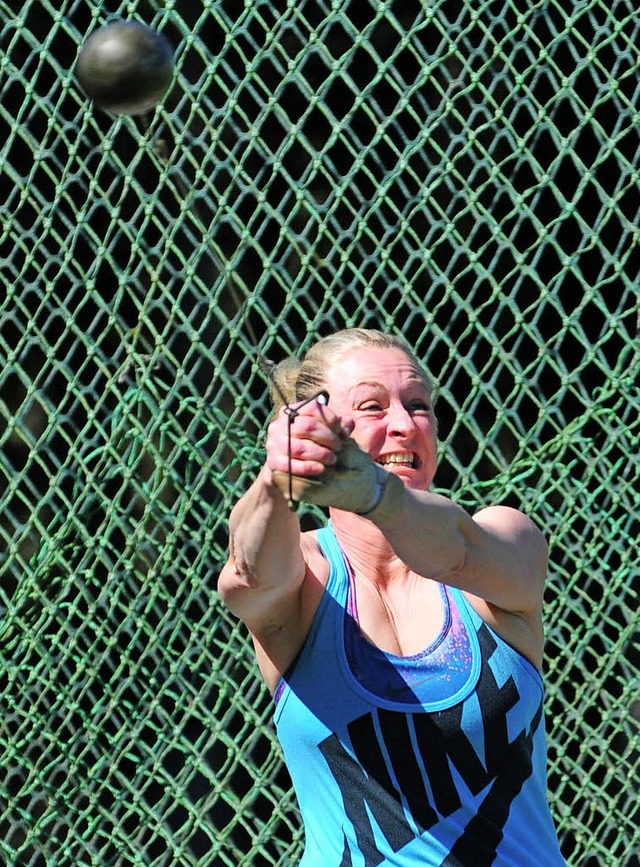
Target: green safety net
{"type": "Point", "coordinates": [465, 174]}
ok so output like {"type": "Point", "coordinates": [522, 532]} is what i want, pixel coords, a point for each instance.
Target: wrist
{"type": "Point", "coordinates": [373, 492]}
{"type": "Point", "coordinates": [388, 497]}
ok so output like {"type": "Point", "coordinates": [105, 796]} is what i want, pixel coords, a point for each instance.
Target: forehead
{"type": "Point", "coordinates": [385, 366]}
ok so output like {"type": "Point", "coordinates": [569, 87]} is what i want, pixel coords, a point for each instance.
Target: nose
{"type": "Point", "coordinates": [399, 420]}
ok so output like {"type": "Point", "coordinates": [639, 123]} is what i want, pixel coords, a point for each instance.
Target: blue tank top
{"type": "Point", "coordinates": [433, 759]}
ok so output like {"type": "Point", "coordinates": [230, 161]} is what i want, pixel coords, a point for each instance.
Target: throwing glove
{"type": "Point", "coordinates": [355, 483]}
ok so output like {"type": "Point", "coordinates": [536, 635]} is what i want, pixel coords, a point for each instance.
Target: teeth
{"type": "Point", "coordinates": [406, 459]}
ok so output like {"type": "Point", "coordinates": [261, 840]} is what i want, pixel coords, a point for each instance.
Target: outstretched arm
{"type": "Point", "coordinates": [262, 579]}
{"type": "Point", "coordinates": [265, 563]}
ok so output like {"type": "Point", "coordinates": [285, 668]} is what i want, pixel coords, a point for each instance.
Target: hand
{"type": "Point", "coordinates": [338, 472]}
{"type": "Point", "coordinates": [305, 439]}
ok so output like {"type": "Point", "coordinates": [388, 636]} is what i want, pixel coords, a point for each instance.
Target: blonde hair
{"type": "Point", "coordinates": [296, 379]}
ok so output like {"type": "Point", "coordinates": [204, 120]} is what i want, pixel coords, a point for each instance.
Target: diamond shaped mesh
{"type": "Point", "coordinates": [465, 174]}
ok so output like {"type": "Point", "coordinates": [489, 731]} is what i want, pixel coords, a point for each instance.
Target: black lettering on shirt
{"type": "Point", "coordinates": [361, 791]}
{"type": "Point", "coordinates": [402, 805]}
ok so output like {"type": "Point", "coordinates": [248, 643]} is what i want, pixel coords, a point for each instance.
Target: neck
{"type": "Point", "coordinates": [366, 548]}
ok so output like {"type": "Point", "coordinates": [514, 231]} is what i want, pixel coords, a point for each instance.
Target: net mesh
{"type": "Point", "coordinates": [462, 173]}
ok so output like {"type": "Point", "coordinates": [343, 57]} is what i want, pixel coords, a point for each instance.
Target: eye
{"type": "Point", "coordinates": [370, 406]}
{"type": "Point", "coordinates": [419, 406]}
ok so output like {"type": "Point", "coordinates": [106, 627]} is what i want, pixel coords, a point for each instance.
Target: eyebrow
{"type": "Point", "coordinates": [372, 383]}
{"type": "Point", "coordinates": [367, 383]}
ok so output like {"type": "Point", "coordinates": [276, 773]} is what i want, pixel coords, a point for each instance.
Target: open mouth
{"type": "Point", "coordinates": [399, 459]}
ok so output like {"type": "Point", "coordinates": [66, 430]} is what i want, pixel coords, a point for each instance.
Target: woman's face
{"type": "Point", "coordinates": [382, 392]}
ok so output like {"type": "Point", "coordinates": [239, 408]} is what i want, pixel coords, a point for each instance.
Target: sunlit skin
{"type": "Point", "coordinates": [381, 399]}
{"type": "Point", "coordinates": [377, 396]}
{"type": "Point", "coordinates": [399, 552]}
{"type": "Point", "coordinates": [275, 575]}
{"type": "Point", "coordinates": [382, 394]}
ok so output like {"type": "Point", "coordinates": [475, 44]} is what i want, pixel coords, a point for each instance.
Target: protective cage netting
{"type": "Point", "coordinates": [465, 174]}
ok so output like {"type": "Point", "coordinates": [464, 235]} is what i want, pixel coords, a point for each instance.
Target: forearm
{"type": "Point", "coordinates": [498, 555]}
{"type": "Point", "coordinates": [265, 536]}
{"type": "Point", "coordinates": [429, 532]}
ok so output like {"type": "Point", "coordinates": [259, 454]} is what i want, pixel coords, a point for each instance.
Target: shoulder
{"type": "Point", "coordinates": [313, 554]}
{"type": "Point", "coordinates": [525, 562]}
{"type": "Point", "coordinates": [500, 514]}
{"type": "Point", "coordinates": [515, 528]}
{"type": "Point", "coordinates": [509, 520]}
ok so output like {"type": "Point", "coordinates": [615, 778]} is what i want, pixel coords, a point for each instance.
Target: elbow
{"type": "Point", "coordinates": [228, 582]}
{"type": "Point", "coordinates": [239, 570]}
{"type": "Point", "coordinates": [459, 556]}
{"type": "Point", "coordinates": [452, 557]}
{"type": "Point", "coordinates": [235, 575]}
{"type": "Point", "coordinates": [236, 590]}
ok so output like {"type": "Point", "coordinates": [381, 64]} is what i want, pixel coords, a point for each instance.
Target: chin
{"type": "Point", "coordinates": [418, 480]}
{"type": "Point", "coordinates": [410, 478]}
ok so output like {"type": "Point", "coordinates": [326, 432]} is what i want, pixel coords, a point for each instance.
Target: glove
{"type": "Point", "coordinates": [355, 483]}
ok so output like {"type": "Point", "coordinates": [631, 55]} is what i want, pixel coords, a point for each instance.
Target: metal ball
{"type": "Point", "coordinates": [125, 67]}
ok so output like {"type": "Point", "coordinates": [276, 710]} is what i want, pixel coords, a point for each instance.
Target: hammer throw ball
{"type": "Point", "coordinates": [125, 67]}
